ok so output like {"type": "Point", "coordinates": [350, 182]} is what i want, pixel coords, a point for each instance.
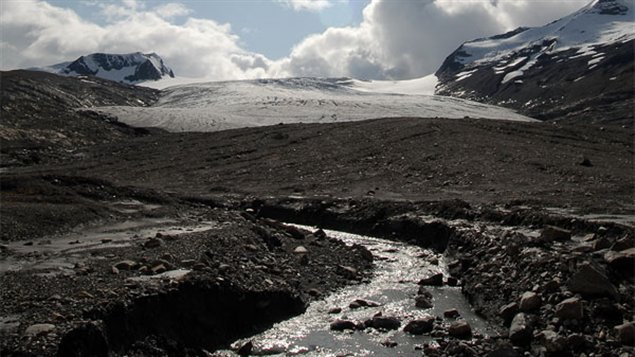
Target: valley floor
{"type": "Point", "coordinates": [211, 202]}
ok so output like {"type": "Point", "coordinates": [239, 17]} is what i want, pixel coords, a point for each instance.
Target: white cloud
{"type": "Point", "coordinates": [395, 40]}
{"type": "Point", "coordinates": [35, 33]}
{"type": "Point", "coordinates": [170, 10]}
{"type": "Point", "coordinates": [409, 39]}
{"type": "Point", "coordinates": [306, 5]}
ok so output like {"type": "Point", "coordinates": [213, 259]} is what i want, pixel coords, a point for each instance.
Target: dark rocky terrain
{"type": "Point", "coordinates": [98, 231]}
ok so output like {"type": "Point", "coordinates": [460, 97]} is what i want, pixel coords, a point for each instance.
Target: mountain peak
{"type": "Point", "coordinates": [128, 68]}
{"type": "Point", "coordinates": [610, 7]}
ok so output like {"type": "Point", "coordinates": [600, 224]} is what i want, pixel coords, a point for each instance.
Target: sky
{"type": "Point", "coordinates": [242, 39]}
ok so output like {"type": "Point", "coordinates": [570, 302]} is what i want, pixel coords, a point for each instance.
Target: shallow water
{"type": "Point", "coordinates": [57, 254]}
{"type": "Point", "coordinates": [398, 268]}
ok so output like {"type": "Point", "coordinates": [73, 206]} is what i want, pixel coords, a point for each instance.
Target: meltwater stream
{"type": "Point", "coordinates": [398, 268]}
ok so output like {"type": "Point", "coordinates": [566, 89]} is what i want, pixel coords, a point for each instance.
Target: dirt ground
{"type": "Point", "coordinates": [376, 177]}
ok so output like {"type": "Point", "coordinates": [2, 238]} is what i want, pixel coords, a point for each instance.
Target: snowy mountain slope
{"type": "Point", "coordinates": [574, 65]}
{"type": "Point", "coordinates": [130, 68]}
{"type": "Point", "coordinates": [226, 105]}
{"type": "Point", "coordinates": [423, 86]}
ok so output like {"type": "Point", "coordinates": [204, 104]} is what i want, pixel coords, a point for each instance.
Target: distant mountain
{"type": "Point", "coordinates": [128, 68]}
{"type": "Point", "coordinates": [580, 66]}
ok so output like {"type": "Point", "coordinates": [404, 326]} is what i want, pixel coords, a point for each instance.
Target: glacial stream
{"type": "Point", "coordinates": [398, 268]}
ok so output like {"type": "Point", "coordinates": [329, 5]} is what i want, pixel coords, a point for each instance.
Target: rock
{"type": "Point", "coordinates": [451, 313]}
{"type": "Point", "coordinates": [114, 270]}
{"type": "Point", "coordinates": [153, 243]}
{"type": "Point", "coordinates": [576, 341]}
{"type": "Point", "coordinates": [423, 291]}
{"type": "Point", "coordinates": [552, 341]}
{"type": "Point", "coordinates": [300, 250]}
{"type": "Point", "coordinates": [434, 280]}
{"type": "Point", "coordinates": [420, 326]}
{"type": "Point", "coordinates": [520, 332]}
{"type": "Point", "coordinates": [319, 234]}
{"type": "Point", "coordinates": [557, 234]}
{"type": "Point", "coordinates": [251, 248]}
{"type": "Point", "coordinates": [507, 312]}
{"type": "Point", "coordinates": [158, 269]}
{"type": "Point", "coordinates": [585, 162]}
{"type": "Point", "coordinates": [383, 322]}
{"type": "Point", "coordinates": [335, 310]}
{"type": "Point", "coordinates": [347, 272]}
{"type": "Point", "coordinates": [623, 244]}
{"type": "Point", "coordinates": [341, 325]}
{"type": "Point", "coordinates": [460, 329]}
{"type": "Point", "coordinates": [625, 333]}
{"type": "Point", "coordinates": [356, 304]}
{"type": "Point", "coordinates": [601, 243]}
{"type": "Point", "coordinates": [570, 309]}
{"type": "Point", "coordinates": [590, 281]}
{"type": "Point", "coordinates": [389, 343]}
{"type": "Point", "coordinates": [530, 301]}
{"type": "Point", "coordinates": [39, 329]}
{"type": "Point", "coordinates": [552, 285]}
{"type": "Point", "coordinates": [622, 262]}
{"type": "Point", "coordinates": [245, 349]}
{"type": "Point", "coordinates": [126, 265]}
{"type": "Point", "coordinates": [423, 301]}
{"type": "Point", "coordinates": [452, 281]}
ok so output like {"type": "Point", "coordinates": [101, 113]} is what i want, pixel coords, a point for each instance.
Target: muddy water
{"type": "Point", "coordinates": [394, 285]}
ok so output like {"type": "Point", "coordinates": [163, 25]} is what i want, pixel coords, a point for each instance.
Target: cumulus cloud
{"type": "Point", "coordinates": [409, 39]}
{"type": "Point", "coordinates": [35, 33]}
{"type": "Point", "coordinates": [306, 5]}
{"type": "Point", "coordinates": [395, 39]}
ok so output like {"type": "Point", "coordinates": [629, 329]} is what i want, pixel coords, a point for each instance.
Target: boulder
{"type": "Point", "coordinates": [420, 326]}
{"type": "Point", "coordinates": [622, 262]}
{"type": "Point", "coordinates": [557, 234]}
{"type": "Point", "coordinates": [507, 312]}
{"type": "Point", "coordinates": [341, 325]}
{"type": "Point", "coordinates": [383, 322]}
{"type": "Point", "coordinates": [423, 301]}
{"type": "Point", "coordinates": [433, 280]}
{"type": "Point", "coordinates": [451, 313]}
{"type": "Point", "coordinates": [357, 303]}
{"type": "Point", "coordinates": [552, 341]}
{"type": "Point", "coordinates": [126, 265]}
{"type": "Point", "coordinates": [300, 250]}
{"type": "Point", "coordinates": [601, 243]}
{"type": "Point", "coordinates": [590, 281]}
{"type": "Point", "coordinates": [153, 242]}
{"type": "Point", "coordinates": [460, 329]}
{"type": "Point", "coordinates": [520, 331]}
{"type": "Point", "coordinates": [570, 309]}
{"type": "Point", "coordinates": [625, 333]}
{"type": "Point", "coordinates": [245, 349]}
{"type": "Point", "coordinates": [530, 301]}
{"type": "Point", "coordinates": [39, 329]}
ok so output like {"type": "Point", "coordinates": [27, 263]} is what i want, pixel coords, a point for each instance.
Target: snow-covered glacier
{"type": "Point", "coordinates": [217, 106]}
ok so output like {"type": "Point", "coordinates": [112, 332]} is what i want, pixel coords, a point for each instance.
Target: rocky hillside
{"type": "Point", "coordinates": [42, 117]}
{"type": "Point", "coordinates": [128, 68]}
{"type": "Point", "coordinates": [580, 66]}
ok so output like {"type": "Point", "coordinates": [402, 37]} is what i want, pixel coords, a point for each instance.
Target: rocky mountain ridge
{"type": "Point", "coordinates": [579, 66]}
{"type": "Point", "coordinates": [128, 68]}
